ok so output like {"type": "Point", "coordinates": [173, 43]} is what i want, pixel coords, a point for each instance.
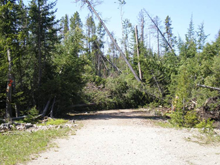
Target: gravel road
{"type": "Point", "coordinates": [127, 137]}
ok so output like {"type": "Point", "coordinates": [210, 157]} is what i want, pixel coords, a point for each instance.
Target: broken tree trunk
{"type": "Point", "coordinates": [204, 86]}
{"type": "Point", "coordinates": [45, 109]}
{"type": "Point", "coordinates": [51, 112]}
{"type": "Point", "coordinates": [138, 53]}
{"type": "Point", "coordinates": [111, 37]}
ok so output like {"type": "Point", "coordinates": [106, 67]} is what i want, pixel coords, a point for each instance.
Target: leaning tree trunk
{"type": "Point", "coordinates": [111, 37]}
{"type": "Point", "coordinates": [138, 53]}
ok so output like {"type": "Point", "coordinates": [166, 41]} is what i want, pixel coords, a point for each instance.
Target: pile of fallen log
{"type": "Point", "coordinates": [5, 127]}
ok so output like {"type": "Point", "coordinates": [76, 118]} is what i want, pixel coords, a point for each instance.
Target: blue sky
{"type": "Point", "coordinates": [180, 11]}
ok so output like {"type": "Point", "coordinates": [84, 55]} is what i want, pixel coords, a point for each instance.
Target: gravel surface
{"type": "Point", "coordinates": [127, 138]}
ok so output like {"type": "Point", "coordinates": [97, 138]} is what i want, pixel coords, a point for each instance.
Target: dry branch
{"type": "Point", "coordinates": [204, 86]}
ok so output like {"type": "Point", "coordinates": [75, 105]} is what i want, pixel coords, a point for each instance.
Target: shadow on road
{"type": "Point", "coordinates": [115, 114]}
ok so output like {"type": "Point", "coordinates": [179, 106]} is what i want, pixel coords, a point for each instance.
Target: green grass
{"type": "Point", "coordinates": [18, 146]}
{"type": "Point", "coordinates": [207, 138]}
{"type": "Point", "coordinates": [165, 124]}
{"type": "Point", "coordinates": [54, 122]}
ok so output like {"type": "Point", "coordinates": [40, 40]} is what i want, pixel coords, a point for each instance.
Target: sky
{"type": "Point", "coordinates": [180, 12]}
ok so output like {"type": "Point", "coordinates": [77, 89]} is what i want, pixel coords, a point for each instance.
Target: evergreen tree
{"type": "Point", "coordinates": [201, 37]}
{"type": "Point", "coordinates": [169, 34]}
{"type": "Point", "coordinates": [90, 31]}
{"type": "Point", "coordinates": [64, 23]}
{"type": "Point", "coordinates": [9, 45]}
{"type": "Point", "coordinates": [75, 21]}
{"type": "Point", "coordinates": [42, 41]}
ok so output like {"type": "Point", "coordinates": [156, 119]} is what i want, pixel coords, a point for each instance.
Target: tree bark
{"type": "Point", "coordinates": [51, 112]}
{"type": "Point", "coordinates": [45, 109]}
{"type": "Point", "coordinates": [138, 55]}
{"type": "Point", "coordinates": [160, 33]}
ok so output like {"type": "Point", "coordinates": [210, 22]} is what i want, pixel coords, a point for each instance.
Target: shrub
{"type": "Point", "coordinates": [177, 118]}
{"type": "Point", "coordinates": [190, 119]}
{"type": "Point", "coordinates": [206, 125]}
{"type": "Point", "coordinates": [31, 114]}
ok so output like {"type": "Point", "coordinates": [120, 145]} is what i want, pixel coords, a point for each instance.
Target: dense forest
{"type": "Point", "coordinates": [54, 66]}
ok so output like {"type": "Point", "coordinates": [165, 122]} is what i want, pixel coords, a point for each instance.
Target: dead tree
{"type": "Point", "coordinates": [138, 53]}
{"type": "Point", "coordinates": [111, 37]}
{"type": "Point", "coordinates": [116, 45]}
{"type": "Point", "coordinates": [160, 32]}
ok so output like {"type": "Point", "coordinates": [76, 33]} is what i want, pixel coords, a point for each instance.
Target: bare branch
{"type": "Point", "coordinates": [204, 86]}
{"type": "Point", "coordinates": [160, 32]}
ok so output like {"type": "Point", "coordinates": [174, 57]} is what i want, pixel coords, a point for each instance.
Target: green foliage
{"type": "Point", "coordinates": [115, 93]}
{"type": "Point", "coordinates": [31, 115]}
{"type": "Point", "coordinates": [55, 122]}
{"type": "Point", "coordinates": [190, 119]}
{"type": "Point", "coordinates": [205, 125]}
{"type": "Point", "coordinates": [177, 118]}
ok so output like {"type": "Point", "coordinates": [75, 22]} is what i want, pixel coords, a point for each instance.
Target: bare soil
{"type": "Point", "coordinates": [127, 137]}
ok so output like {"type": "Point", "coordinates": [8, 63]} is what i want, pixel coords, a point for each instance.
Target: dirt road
{"type": "Point", "coordinates": [127, 137]}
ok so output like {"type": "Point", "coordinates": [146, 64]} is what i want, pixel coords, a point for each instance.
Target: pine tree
{"type": "Point", "coordinates": [9, 31]}
{"type": "Point", "coordinates": [75, 21]}
{"type": "Point", "coordinates": [64, 23]}
{"type": "Point", "coordinates": [201, 37]}
{"type": "Point", "coordinates": [169, 34]}
{"type": "Point", "coordinates": [42, 40]}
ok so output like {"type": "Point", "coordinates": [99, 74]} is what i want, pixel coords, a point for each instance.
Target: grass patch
{"type": "Point", "coordinates": [54, 122]}
{"type": "Point", "coordinates": [207, 138]}
{"type": "Point", "coordinates": [18, 147]}
{"type": "Point", "coordinates": [165, 124]}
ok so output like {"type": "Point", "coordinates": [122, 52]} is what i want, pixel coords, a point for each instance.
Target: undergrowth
{"type": "Point", "coordinates": [54, 122]}
{"type": "Point", "coordinates": [18, 147]}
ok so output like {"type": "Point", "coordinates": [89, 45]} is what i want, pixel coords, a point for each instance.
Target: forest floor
{"type": "Point", "coordinates": [128, 137]}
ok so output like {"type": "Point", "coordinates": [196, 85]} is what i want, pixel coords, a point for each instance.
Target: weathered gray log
{"type": "Point", "coordinates": [160, 32]}
{"type": "Point", "coordinates": [44, 111]}
{"type": "Point", "coordinates": [138, 53]}
{"type": "Point", "coordinates": [204, 86]}
{"type": "Point", "coordinates": [51, 112]}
